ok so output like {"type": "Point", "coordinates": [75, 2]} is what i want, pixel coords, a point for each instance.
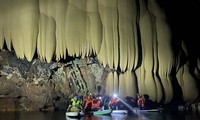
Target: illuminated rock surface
{"type": "Point", "coordinates": [132, 40]}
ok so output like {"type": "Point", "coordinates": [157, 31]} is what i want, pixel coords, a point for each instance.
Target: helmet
{"type": "Point", "coordinates": [75, 95]}
{"type": "Point", "coordinates": [80, 97]}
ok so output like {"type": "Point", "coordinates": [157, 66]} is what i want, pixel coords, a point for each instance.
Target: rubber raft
{"type": "Point", "coordinates": [103, 112]}
{"type": "Point", "coordinates": [74, 114]}
{"type": "Point", "coordinates": [146, 110]}
{"type": "Point", "coordinates": [119, 112]}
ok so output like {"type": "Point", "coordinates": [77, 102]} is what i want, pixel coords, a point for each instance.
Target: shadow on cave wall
{"type": "Point", "coordinates": [183, 18]}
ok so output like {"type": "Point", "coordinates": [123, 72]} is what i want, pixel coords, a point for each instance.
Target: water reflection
{"type": "Point", "coordinates": [119, 117]}
{"type": "Point", "coordinates": [147, 116]}
{"type": "Point", "coordinates": [61, 116]}
{"type": "Point", "coordinates": [32, 116]}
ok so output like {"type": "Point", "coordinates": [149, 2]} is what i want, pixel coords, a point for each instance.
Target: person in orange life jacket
{"type": "Point", "coordinates": [113, 103]}
{"type": "Point", "coordinates": [96, 104]}
{"type": "Point", "coordinates": [141, 102]}
{"type": "Point", "coordinates": [88, 103]}
{"type": "Point", "coordinates": [101, 99]}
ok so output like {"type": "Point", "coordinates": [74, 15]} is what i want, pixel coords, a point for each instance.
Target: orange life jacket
{"type": "Point", "coordinates": [96, 105]}
{"type": "Point", "coordinates": [87, 101]}
{"type": "Point", "coordinates": [113, 100]}
{"type": "Point", "coordinates": [140, 102]}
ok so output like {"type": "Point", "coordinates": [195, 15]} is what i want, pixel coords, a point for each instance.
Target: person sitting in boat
{"type": "Point", "coordinates": [74, 105]}
{"type": "Point", "coordinates": [101, 99]}
{"type": "Point", "coordinates": [149, 104]}
{"type": "Point", "coordinates": [131, 101]}
{"type": "Point", "coordinates": [113, 104]}
{"type": "Point", "coordinates": [141, 101]}
{"type": "Point", "coordinates": [96, 104]}
{"type": "Point", "coordinates": [88, 103]}
{"type": "Point", "coordinates": [81, 101]}
{"type": "Point", "coordinates": [106, 102]}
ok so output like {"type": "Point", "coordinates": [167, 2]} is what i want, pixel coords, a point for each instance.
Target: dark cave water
{"type": "Point", "coordinates": [60, 115]}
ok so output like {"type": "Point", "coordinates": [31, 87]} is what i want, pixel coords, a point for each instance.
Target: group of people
{"type": "Point", "coordinates": [95, 103]}
{"type": "Point", "coordinates": [92, 103]}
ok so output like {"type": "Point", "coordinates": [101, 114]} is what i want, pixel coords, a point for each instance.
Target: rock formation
{"type": "Point", "coordinates": [134, 42]}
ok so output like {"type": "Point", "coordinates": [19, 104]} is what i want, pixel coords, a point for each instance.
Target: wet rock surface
{"type": "Point", "coordinates": [38, 85]}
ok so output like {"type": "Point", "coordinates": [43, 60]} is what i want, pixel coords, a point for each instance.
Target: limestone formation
{"type": "Point", "coordinates": [133, 39]}
{"type": "Point", "coordinates": [46, 86]}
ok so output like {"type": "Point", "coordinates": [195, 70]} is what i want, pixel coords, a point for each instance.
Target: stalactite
{"type": "Point", "coordinates": [102, 55]}
{"type": "Point", "coordinates": [24, 26]}
{"type": "Point", "coordinates": [94, 25]}
{"type": "Point", "coordinates": [93, 28]}
{"type": "Point", "coordinates": [186, 80]}
{"type": "Point", "coordinates": [140, 73]}
{"type": "Point", "coordinates": [46, 38]}
{"type": "Point", "coordinates": [75, 27]}
{"type": "Point", "coordinates": [127, 25]}
{"type": "Point", "coordinates": [165, 62]}
{"type": "Point", "coordinates": [41, 41]}
{"type": "Point", "coordinates": [126, 82]}
{"type": "Point", "coordinates": [31, 30]}
{"type": "Point", "coordinates": [109, 84]}
{"type": "Point", "coordinates": [108, 14]}
{"type": "Point", "coordinates": [115, 83]}
{"type": "Point", "coordinates": [147, 40]}
{"type": "Point", "coordinates": [60, 7]}
{"type": "Point", "coordinates": [1, 25]}
{"type": "Point", "coordinates": [187, 83]}
{"type": "Point", "coordinates": [127, 35]}
{"type": "Point", "coordinates": [5, 7]}
{"type": "Point", "coordinates": [1, 34]}
{"type": "Point", "coordinates": [159, 90]}
{"type": "Point", "coordinates": [130, 82]}
{"type": "Point", "coordinates": [122, 85]}
{"type": "Point", "coordinates": [164, 48]}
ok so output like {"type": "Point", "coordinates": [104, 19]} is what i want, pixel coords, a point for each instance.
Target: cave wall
{"type": "Point", "coordinates": [131, 37]}
{"type": "Point", "coordinates": [43, 86]}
